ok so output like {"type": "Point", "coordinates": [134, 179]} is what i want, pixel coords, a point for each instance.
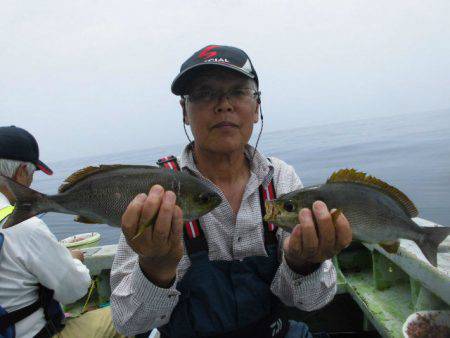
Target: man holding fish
{"type": "Point", "coordinates": [230, 272]}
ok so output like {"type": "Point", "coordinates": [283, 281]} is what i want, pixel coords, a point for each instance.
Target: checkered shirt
{"type": "Point", "coordinates": [138, 305]}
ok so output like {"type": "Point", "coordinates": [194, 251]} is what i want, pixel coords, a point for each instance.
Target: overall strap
{"type": "Point", "coordinates": [194, 237]}
{"type": "Point", "coordinates": [13, 317]}
{"type": "Point", "coordinates": [169, 162]}
{"type": "Point", "coordinates": [52, 310]}
{"type": "Point", "coordinates": [54, 316]}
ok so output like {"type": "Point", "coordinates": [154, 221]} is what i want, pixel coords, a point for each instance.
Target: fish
{"type": "Point", "coordinates": [377, 212]}
{"type": "Point", "coordinates": [101, 194]}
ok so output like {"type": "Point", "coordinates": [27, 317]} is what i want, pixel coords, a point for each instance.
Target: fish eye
{"type": "Point", "coordinates": [289, 206]}
{"type": "Point", "coordinates": [204, 198]}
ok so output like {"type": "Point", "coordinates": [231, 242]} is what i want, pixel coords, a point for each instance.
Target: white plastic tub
{"type": "Point", "coordinates": [80, 241]}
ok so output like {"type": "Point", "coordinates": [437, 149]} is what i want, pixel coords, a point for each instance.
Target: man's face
{"type": "Point", "coordinates": [225, 124]}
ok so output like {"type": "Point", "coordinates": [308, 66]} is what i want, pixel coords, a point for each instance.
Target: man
{"type": "Point", "coordinates": [35, 269]}
{"type": "Point", "coordinates": [228, 276]}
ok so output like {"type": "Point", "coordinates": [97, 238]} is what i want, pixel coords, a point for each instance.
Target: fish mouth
{"type": "Point", "coordinates": [225, 124]}
{"type": "Point", "coordinates": [271, 211]}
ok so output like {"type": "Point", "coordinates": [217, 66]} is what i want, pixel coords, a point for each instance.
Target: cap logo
{"type": "Point", "coordinates": [207, 52]}
{"type": "Point", "coordinates": [217, 60]}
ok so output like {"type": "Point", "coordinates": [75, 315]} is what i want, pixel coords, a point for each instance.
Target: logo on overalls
{"type": "Point", "coordinates": [276, 327]}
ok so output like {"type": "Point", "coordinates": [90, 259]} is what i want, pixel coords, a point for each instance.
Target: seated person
{"type": "Point", "coordinates": [36, 271]}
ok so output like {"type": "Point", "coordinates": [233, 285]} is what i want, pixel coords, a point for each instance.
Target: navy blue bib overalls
{"type": "Point", "coordinates": [227, 298]}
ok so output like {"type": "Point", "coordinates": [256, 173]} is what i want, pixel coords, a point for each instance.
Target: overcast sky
{"type": "Point", "coordinates": [92, 77]}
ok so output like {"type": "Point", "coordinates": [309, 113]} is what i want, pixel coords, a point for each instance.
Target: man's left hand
{"type": "Point", "coordinates": [316, 238]}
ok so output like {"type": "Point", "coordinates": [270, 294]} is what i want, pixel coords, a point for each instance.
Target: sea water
{"type": "Point", "coordinates": [410, 152]}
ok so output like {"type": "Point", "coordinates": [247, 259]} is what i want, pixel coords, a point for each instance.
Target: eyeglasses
{"type": "Point", "coordinates": [234, 96]}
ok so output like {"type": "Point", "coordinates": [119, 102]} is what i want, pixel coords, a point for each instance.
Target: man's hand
{"type": "Point", "coordinates": [160, 247]}
{"type": "Point", "coordinates": [78, 254]}
{"type": "Point", "coordinates": [312, 242]}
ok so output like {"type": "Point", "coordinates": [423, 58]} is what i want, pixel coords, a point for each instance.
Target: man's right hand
{"type": "Point", "coordinates": [160, 247]}
{"type": "Point", "coordinates": [78, 254]}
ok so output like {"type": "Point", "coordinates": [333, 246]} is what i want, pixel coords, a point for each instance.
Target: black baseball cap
{"type": "Point", "coordinates": [18, 144]}
{"type": "Point", "coordinates": [213, 56]}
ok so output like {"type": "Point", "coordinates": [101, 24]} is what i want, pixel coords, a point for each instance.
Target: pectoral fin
{"type": "Point", "coordinates": [144, 226]}
{"type": "Point", "coordinates": [391, 247]}
{"type": "Point", "coordinates": [335, 215]}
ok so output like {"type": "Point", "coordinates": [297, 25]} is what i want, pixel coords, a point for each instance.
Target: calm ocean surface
{"type": "Point", "coordinates": [411, 152]}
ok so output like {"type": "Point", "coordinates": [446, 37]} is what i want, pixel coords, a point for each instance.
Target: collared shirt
{"type": "Point", "coordinates": [138, 305]}
{"type": "Point", "coordinates": [31, 255]}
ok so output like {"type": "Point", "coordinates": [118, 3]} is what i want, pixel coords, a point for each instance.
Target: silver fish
{"type": "Point", "coordinates": [102, 194]}
{"type": "Point", "coordinates": [377, 212]}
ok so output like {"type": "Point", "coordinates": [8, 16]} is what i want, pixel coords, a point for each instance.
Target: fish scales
{"type": "Point", "coordinates": [375, 217]}
{"type": "Point", "coordinates": [111, 193]}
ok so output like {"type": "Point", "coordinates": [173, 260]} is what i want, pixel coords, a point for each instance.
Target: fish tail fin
{"type": "Point", "coordinates": [29, 202]}
{"type": "Point", "coordinates": [429, 244]}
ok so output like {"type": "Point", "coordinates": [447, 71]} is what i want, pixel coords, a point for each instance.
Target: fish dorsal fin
{"type": "Point", "coordinates": [89, 171]}
{"type": "Point", "coordinates": [352, 175]}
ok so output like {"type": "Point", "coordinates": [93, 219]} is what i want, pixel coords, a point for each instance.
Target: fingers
{"type": "Point", "coordinates": [177, 225]}
{"type": "Point", "coordinates": [310, 241]}
{"type": "Point", "coordinates": [325, 229]}
{"type": "Point", "coordinates": [130, 218]}
{"type": "Point", "coordinates": [293, 244]}
{"type": "Point", "coordinates": [144, 208]}
{"type": "Point", "coordinates": [319, 236]}
{"type": "Point", "coordinates": [151, 205]}
{"type": "Point", "coordinates": [303, 242]}
{"type": "Point", "coordinates": [343, 232]}
{"type": "Point", "coordinates": [163, 224]}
